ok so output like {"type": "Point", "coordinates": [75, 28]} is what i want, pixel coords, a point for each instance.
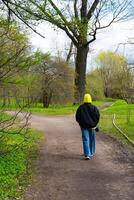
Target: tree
{"type": "Point", "coordinates": [14, 58]}
{"type": "Point", "coordinates": [55, 79]}
{"type": "Point", "coordinates": [27, 88]}
{"type": "Point", "coordinates": [14, 50]}
{"type": "Point", "coordinates": [117, 79]}
{"type": "Point", "coordinates": [63, 86]}
{"type": "Point", "coordinates": [79, 19]}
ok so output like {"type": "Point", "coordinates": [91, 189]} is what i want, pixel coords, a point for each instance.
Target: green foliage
{"type": "Point", "coordinates": [39, 58]}
{"type": "Point", "coordinates": [110, 58]}
{"type": "Point", "coordinates": [14, 165]}
{"type": "Point", "coordinates": [14, 48]}
{"type": "Point", "coordinates": [55, 79]}
{"type": "Point", "coordinates": [4, 116]}
{"type": "Point", "coordinates": [15, 59]}
{"type": "Point", "coordinates": [114, 73]}
{"type": "Point", "coordinates": [94, 85]}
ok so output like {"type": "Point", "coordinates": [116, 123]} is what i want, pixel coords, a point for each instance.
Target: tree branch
{"type": "Point", "coordinates": [47, 17]}
{"type": "Point", "coordinates": [84, 9]}
{"type": "Point", "coordinates": [92, 9]}
{"type": "Point", "coordinates": [75, 9]}
{"type": "Point", "coordinates": [17, 15]}
{"type": "Point", "coordinates": [69, 53]}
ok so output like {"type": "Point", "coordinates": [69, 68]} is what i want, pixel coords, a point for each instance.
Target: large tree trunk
{"type": "Point", "coordinates": [47, 96]}
{"type": "Point", "coordinates": [80, 73]}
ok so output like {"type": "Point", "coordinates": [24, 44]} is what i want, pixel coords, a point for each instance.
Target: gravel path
{"type": "Point", "coordinates": [63, 174]}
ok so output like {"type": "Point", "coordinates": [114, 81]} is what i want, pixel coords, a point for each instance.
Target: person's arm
{"type": "Point", "coordinates": [97, 113]}
{"type": "Point", "coordinates": [77, 116]}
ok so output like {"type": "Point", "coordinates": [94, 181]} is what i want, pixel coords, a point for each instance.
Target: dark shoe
{"type": "Point", "coordinates": [87, 158]}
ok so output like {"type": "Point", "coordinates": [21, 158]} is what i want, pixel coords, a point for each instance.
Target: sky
{"type": "Point", "coordinates": [56, 42]}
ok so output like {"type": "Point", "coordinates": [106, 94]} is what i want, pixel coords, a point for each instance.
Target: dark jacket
{"type": "Point", "coordinates": [87, 115]}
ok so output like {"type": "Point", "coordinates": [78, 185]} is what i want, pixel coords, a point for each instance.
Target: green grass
{"type": "Point", "coordinates": [55, 110]}
{"type": "Point", "coordinates": [120, 107]}
{"type": "Point", "coordinates": [4, 116]}
{"type": "Point", "coordinates": [14, 162]}
{"type": "Point", "coordinates": [58, 109]}
{"type": "Point", "coordinates": [124, 120]}
{"type": "Point", "coordinates": [52, 110]}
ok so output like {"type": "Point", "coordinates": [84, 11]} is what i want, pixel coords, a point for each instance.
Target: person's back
{"type": "Point", "coordinates": [87, 115]}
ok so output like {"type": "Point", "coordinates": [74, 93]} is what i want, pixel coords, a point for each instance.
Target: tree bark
{"type": "Point", "coordinates": [80, 73]}
{"type": "Point", "coordinates": [47, 96]}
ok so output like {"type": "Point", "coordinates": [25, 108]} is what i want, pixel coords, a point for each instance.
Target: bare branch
{"type": "Point", "coordinates": [64, 24]}
{"type": "Point", "coordinates": [93, 37]}
{"type": "Point", "coordinates": [18, 16]}
{"type": "Point", "coordinates": [92, 9]}
{"type": "Point", "coordinates": [75, 9]}
{"type": "Point", "coordinates": [69, 53]}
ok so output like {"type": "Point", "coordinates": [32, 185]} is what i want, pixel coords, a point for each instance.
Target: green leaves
{"type": "Point", "coordinates": [14, 49]}
{"type": "Point", "coordinates": [114, 73]}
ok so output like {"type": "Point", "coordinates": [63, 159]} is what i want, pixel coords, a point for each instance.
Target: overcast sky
{"type": "Point", "coordinates": [56, 41]}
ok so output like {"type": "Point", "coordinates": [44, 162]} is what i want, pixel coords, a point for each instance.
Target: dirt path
{"type": "Point", "coordinates": [63, 174]}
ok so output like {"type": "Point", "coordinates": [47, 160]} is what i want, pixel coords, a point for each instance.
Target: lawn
{"type": "Point", "coordinates": [16, 153]}
{"type": "Point", "coordinates": [52, 110]}
{"type": "Point", "coordinates": [58, 109]}
{"type": "Point", "coordinates": [124, 120]}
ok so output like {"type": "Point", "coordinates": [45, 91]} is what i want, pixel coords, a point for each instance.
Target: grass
{"type": "Point", "coordinates": [120, 107]}
{"type": "Point", "coordinates": [14, 162]}
{"type": "Point", "coordinates": [52, 110]}
{"type": "Point", "coordinates": [59, 110]}
{"type": "Point", "coordinates": [124, 120]}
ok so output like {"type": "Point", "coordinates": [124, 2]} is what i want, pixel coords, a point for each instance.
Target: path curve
{"type": "Point", "coordinates": [63, 174]}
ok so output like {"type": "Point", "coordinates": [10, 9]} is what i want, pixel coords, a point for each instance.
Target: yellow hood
{"type": "Point", "coordinates": [87, 98]}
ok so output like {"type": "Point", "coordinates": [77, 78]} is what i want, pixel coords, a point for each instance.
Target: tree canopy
{"type": "Point", "coordinates": [14, 50]}
{"type": "Point", "coordinates": [115, 74]}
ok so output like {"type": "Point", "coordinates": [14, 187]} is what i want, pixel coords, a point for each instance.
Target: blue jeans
{"type": "Point", "coordinates": [89, 141]}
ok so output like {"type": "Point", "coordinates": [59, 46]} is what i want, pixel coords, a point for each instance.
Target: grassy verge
{"type": "Point", "coordinates": [59, 110]}
{"type": "Point", "coordinates": [53, 109]}
{"type": "Point", "coordinates": [14, 162]}
{"type": "Point", "coordinates": [124, 120]}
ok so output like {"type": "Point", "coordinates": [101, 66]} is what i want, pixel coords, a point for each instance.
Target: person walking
{"type": "Point", "coordinates": [88, 115]}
